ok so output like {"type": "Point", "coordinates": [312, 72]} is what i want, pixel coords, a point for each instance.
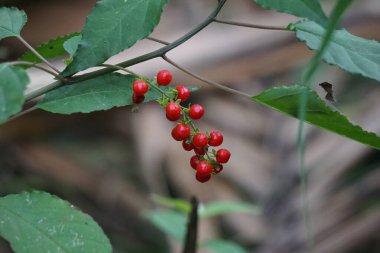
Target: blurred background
{"type": "Point", "coordinates": [110, 163]}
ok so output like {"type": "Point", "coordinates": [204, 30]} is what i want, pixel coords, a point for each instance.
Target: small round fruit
{"type": "Point", "coordinates": [187, 146]}
{"type": "Point", "coordinates": [181, 132]}
{"type": "Point", "coordinates": [173, 111]}
{"type": "Point", "coordinates": [218, 169]}
{"type": "Point", "coordinates": [164, 77]}
{"type": "Point", "coordinates": [202, 178]}
{"type": "Point", "coordinates": [199, 151]}
{"type": "Point", "coordinates": [183, 93]}
{"type": "Point", "coordinates": [204, 168]}
{"type": "Point", "coordinates": [200, 140]}
{"type": "Point", "coordinates": [196, 111]}
{"type": "Point", "coordinates": [137, 99]}
{"type": "Point", "coordinates": [194, 160]}
{"type": "Point", "coordinates": [223, 155]}
{"type": "Point", "coordinates": [140, 87]}
{"type": "Point", "coordinates": [216, 138]}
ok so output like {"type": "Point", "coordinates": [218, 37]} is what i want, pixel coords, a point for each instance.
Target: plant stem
{"type": "Point", "coordinates": [157, 40]}
{"type": "Point", "coordinates": [278, 28]}
{"type": "Point", "coordinates": [37, 54]}
{"type": "Point", "coordinates": [215, 84]}
{"type": "Point", "coordinates": [192, 228]}
{"type": "Point", "coordinates": [26, 63]}
{"type": "Point", "coordinates": [119, 68]}
{"type": "Point", "coordinates": [17, 115]}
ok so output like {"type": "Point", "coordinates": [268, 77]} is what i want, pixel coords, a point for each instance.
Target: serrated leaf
{"type": "Point", "coordinates": [223, 246]}
{"type": "Point", "coordinates": [310, 9]}
{"type": "Point", "coordinates": [40, 222]}
{"type": "Point", "coordinates": [351, 53]}
{"type": "Point", "coordinates": [171, 222]}
{"type": "Point", "coordinates": [52, 49]}
{"type": "Point", "coordinates": [71, 45]}
{"type": "Point", "coordinates": [286, 99]}
{"type": "Point", "coordinates": [13, 82]}
{"type": "Point", "coordinates": [226, 207]}
{"type": "Point", "coordinates": [111, 27]}
{"type": "Point", "coordinates": [12, 20]}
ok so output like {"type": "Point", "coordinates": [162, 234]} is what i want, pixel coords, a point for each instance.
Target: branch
{"type": "Point", "coordinates": [278, 28]}
{"type": "Point", "coordinates": [192, 228]}
{"type": "Point", "coordinates": [158, 40]}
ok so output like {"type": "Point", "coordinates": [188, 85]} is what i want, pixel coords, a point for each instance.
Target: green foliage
{"type": "Point", "coordinates": [310, 9]}
{"type": "Point", "coordinates": [354, 54]}
{"type": "Point", "coordinates": [40, 222]}
{"type": "Point", "coordinates": [225, 207]}
{"type": "Point", "coordinates": [287, 100]}
{"type": "Point", "coordinates": [111, 27]}
{"type": "Point", "coordinates": [52, 49]}
{"type": "Point", "coordinates": [71, 45]}
{"type": "Point", "coordinates": [12, 20]}
{"type": "Point", "coordinates": [222, 246]}
{"type": "Point", "coordinates": [13, 82]}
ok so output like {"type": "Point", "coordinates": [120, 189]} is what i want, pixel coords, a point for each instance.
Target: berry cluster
{"type": "Point", "coordinates": [205, 162]}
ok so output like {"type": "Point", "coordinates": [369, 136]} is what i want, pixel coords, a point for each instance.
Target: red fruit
{"type": "Point", "coordinates": [187, 146]}
{"type": "Point", "coordinates": [223, 155]}
{"type": "Point", "coordinates": [199, 151]}
{"type": "Point", "coordinates": [137, 99]}
{"type": "Point", "coordinates": [202, 178]}
{"type": "Point", "coordinates": [216, 138]}
{"type": "Point", "coordinates": [194, 160]}
{"type": "Point", "coordinates": [196, 111]}
{"type": "Point", "coordinates": [204, 168]}
{"type": "Point", "coordinates": [164, 77]}
{"type": "Point", "coordinates": [200, 140]}
{"type": "Point", "coordinates": [173, 111]}
{"type": "Point", "coordinates": [140, 87]}
{"type": "Point", "coordinates": [218, 169]}
{"type": "Point", "coordinates": [181, 132]}
{"type": "Point", "coordinates": [183, 93]}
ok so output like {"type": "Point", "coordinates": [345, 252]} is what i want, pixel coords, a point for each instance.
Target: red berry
{"type": "Point", "coordinates": [187, 146]}
{"type": "Point", "coordinates": [181, 132]}
{"type": "Point", "coordinates": [200, 140]}
{"type": "Point", "coordinates": [218, 169]}
{"type": "Point", "coordinates": [137, 99]}
{"type": "Point", "coordinates": [183, 93]}
{"type": "Point", "coordinates": [202, 178]}
{"type": "Point", "coordinates": [164, 77]}
{"type": "Point", "coordinates": [204, 168]}
{"type": "Point", "coordinates": [216, 138]}
{"type": "Point", "coordinates": [199, 151]}
{"type": "Point", "coordinates": [194, 160]}
{"type": "Point", "coordinates": [140, 87]}
{"type": "Point", "coordinates": [223, 155]}
{"type": "Point", "coordinates": [196, 111]}
{"type": "Point", "coordinates": [173, 111]}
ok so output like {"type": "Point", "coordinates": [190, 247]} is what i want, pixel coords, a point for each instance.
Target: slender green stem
{"type": "Point", "coordinates": [26, 63]}
{"type": "Point", "coordinates": [17, 115]}
{"type": "Point", "coordinates": [158, 40]}
{"type": "Point", "coordinates": [37, 54]}
{"type": "Point", "coordinates": [265, 27]}
{"type": "Point", "coordinates": [119, 68]}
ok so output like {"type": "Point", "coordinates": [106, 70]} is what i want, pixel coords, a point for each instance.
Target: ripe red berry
{"type": "Point", "coordinates": [204, 168]}
{"type": "Point", "coordinates": [173, 111]}
{"type": "Point", "coordinates": [218, 169]}
{"type": "Point", "coordinates": [223, 155]}
{"type": "Point", "coordinates": [194, 160]}
{"type": "Point", "coordinates": [140, 87]}
{"type": "Point", "coordinates": [200, 140]}
{"type": "Point", "coordinates": [181, 132]}
{"type": "Point", "coordinates": [216, 138]}
{"type": "Point", "coordinates": [196, 111]}
{"type": "Point", "coordinates": [137, 99]}
{"type": "Point", "coordinates": [164, 77]}
{"type": "Point", "coordinates": [199, 151]}
{"type": "Point", "coordinates": [187, 146]}
{"type": "Point", "coordinates": [183, 93]}
{"type": "Point", "coordinates": [202, 178]}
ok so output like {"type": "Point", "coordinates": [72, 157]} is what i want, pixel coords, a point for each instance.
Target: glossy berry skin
{"type": "Point", "coordinates": [137, 99]}
{"type": "Point", "coordinates": [223, 155]}
{"type": "Point", "coordinates": [183, 93]}
{"type": "Point", "coordinates": [194, 160]}
{"type": "Point", "coordinates": [140, 87]}
{"type": "Point", "coordinates": [218, 169]}
{"type": "Point", "coordinates": [199, 151]}
{"type": "Point", "coordinates": [173, 111]}
{"type": "Point", "coordinates": [164, 77]}
{"type": "Point", "coordinates": [187, 146]}
{"type": "Point", "coordinates": [200, 140]}
{"type": "Point", "coordinates": [181, 132]}
{"type": "Point", "coordinates": [202, 178]}
{"type": "Point", "coordinates": [196, 111]}
{"type": "Point", "coordinates": [216, 138]}
{"type": "Point", "coordinates": [204, 168]}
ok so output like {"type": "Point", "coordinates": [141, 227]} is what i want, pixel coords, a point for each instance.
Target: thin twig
{"type": "Point", "coordinates": [265, 27]}
{"type": "Point", "coordinates": [119, 68]}
{"type": "Point", "coordinates": [17, 115]}
{"type": "Point", "coordinates": [215, 84]}
{"type": "Point", "coordinates": [157, 40]}
{"type": "Point", "coordinates": [38, 67]}
{"type": "Point", "coordinates": [192, 228]}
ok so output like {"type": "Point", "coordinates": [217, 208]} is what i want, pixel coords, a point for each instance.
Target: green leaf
{"type": "Point", "coordinates": [171, 222]}
{"type": "Point", "coordinates": [225, 207]}
{"type": "Point", "coordinates": [52, 49]}
{"type": "Point", "coordinates": [13, 82]}
{"type": "Point", "coordinates": [286, 99]}
{"type": "Point", "coordinates": [71, 45]}
{"type": "Point", "coordinates": [222, 246]}
{"type": "Point", "coordinates": [40, 222]}
{"type": "Point", "coordinates": [12, 20]}
{"type": "Point", "coordinates": [111, 27]}
{"type": "Point", "coordinates": [351, 53]}
{"type": "Point", "coordinates": [310, 9]}
{"type": "Point", "coordinates": [179, 204]}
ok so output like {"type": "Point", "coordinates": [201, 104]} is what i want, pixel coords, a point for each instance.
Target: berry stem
{"type": "Point", "coordinates": [278, 28]}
